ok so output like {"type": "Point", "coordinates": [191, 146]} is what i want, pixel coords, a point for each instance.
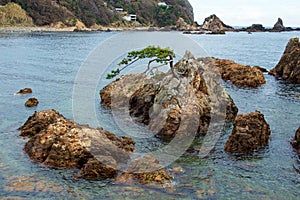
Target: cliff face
{"type": "Point", "coordinates": [103, 12]}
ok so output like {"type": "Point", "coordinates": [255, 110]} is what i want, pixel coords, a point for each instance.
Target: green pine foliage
{"type": "Point", "coordinates": [154, 53]}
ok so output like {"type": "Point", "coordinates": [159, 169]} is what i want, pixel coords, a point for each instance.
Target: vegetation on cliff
{"type": "Point", "coordinates": [103, 12]}
{"type": "Point", "coordinates": [13, 14]}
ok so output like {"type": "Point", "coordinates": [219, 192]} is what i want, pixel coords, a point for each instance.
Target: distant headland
{"type": "Point", "coordinates": [103, 15]}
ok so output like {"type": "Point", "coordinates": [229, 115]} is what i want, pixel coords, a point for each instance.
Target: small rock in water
{"type": "Point", "coordinates": [296, 141]}
{"type": "Point", "coordinates": [250, 132]}
{"type": "Point", "coordinates": [25, 91]}
{"type": "Point", "coordinates": [178, 170]}
{"type": "Point", "coordinates": [31, 102]}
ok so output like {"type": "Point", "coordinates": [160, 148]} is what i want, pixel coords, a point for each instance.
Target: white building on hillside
{"type": "Point", "coordinates": [162, 4]}
{"type": "Point", "coordinates": [130, 17]}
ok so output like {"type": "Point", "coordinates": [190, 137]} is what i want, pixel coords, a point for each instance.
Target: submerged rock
{"type": "Point", "coordinates": [31, 102]}
{"type": "Point", "coordinates": [145, 170]}
{"type": "Point", "coordinates": [288, 68]}
{"type": "Point", "coordinates": [59, 142]}
{"type": "Point", "coordinates": [180, 102]}
{"type": "Point", "coordinates": [25, 91]}
{"type": "Point", "coordinates": [238, 74]}
{"type": "Point", "coordinates": [250, 133]}
{"type": "Point", "coordinates": [296, 142]}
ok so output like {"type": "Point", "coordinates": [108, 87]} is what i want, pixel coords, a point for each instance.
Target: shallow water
{"type": "Point", "coordinates": [48, 63]}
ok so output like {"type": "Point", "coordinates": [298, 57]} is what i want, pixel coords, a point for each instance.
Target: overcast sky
{"type": "Point", "coordinates": [247, 12]}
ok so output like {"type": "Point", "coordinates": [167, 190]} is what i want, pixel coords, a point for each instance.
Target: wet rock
{"type": "Point", "coordinates": [146, 171]}
{"type": "Point", "coordinates": [296, 141]}
{"type": "Point", "coordinates": [215, 25]}
{"type": "Point", "coordinates": [250, 133]}
{"type": "Point", "coordinates": [238, 74]}
{"type": "Point", "coordinates": [288, 68]}
{"type": "Point", "coordinates": [217, 32]}
{"type": "Point", "coordinates": [58, 142]}
{"type": "Point", "coordinates": [31, 102]}
{"type": "Point", "coordinates": [25, 91]}
{"type": "Point", "coordinates": [171, 105]}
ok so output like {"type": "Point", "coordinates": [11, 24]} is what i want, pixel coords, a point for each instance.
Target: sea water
{"type": "Point", "coordinates": [49, 62]}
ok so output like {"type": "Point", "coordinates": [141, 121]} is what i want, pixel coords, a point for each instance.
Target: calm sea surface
{"type": "Point", "coordinates": [49, 62]}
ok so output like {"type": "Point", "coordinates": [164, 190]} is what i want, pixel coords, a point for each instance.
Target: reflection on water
{"type": "Point", "coordinates": [48, 63]}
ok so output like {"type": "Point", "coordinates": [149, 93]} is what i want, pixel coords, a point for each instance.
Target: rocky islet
{"type": "Point", "coordinates": [288, 67]}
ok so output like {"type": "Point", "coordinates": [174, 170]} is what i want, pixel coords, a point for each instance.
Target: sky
{"type": "Point", "coordinates": [248, 12]}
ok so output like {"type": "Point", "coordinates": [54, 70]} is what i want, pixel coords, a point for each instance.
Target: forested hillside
{"type": "Point", "coordinates": [103, 12]}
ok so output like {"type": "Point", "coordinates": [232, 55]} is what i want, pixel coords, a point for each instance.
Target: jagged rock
{"type": "Point", "coordinates": [181, 24]}
{"type": "Point", "coordinates": [288, 68]}
{"type": "Point", "coordinates": [145, 170]}
{"type": "Point", "coordinates": [58, 142]}
{"type": "Point", "coordinates": [296, 141]}
{"type": "Point", "coordinates": [250, 133]}
{"type": "Point", "coordinates": [215, 25]}
{"type": "Point", "coordinates": [256, 28]}
{"type": "Point", "coordinates": [238, 74]}
{"type": "Point", "coordinates": [169, 104]}
{"type": "Point", "coordinates": [31, 102]}
{"type": "Point", "coordinates": [278, 26]}
{"type": "Point", "coordinates": [25, 91]}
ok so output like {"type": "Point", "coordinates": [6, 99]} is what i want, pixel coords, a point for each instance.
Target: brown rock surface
{"type": "Point", "coordinates": [250, 132]}
{"type": "Point", "coordinates": [238, 74]}
{"type": "Point", "coordinates": [288, 68]}
{"type": "Point", "coordinates": [31, 102]}
{"type": "Point", "coordinates": [25, 91]}
{"type": "Point", "coordinates": [59, 142]}
{"type": "Point", "coordinates": [171, 105]}
{"type": "Point", "coordinates": [296, 142]}
{"type": "Point", "coordinates": [121, 90]}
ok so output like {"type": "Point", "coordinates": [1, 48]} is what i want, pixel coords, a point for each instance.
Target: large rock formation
{"type": "Point", "coordinates": [250, 133]}
{"type": "Point", "coordinates": [296, 141]}
{"type": "Point", "coordinates": [180, 102]}
{"type": "Point", "coordinates": [237, 74]}
{"type": "Point", "coordinates": [215, 25]}
{"type": "Point", "coordinates": [278, 26]}
{"type": "Point", "coordinates": [58, 142]}
{"type": "Point", "coordinates": [256, 28]}
{"type": "Point", "coordinates": [288, 68]}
